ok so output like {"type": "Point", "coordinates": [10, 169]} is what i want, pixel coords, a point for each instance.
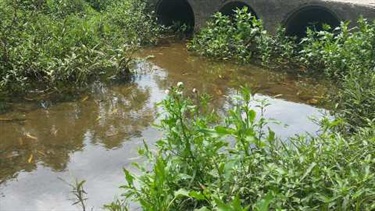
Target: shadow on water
{"type": "Point", "coordinates": [98, 133]}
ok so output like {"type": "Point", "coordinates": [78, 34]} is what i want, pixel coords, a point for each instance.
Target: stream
{"type": "Point", "coordinates": [46, 144]}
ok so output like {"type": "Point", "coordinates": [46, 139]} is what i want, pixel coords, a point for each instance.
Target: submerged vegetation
{"type": "Point", "coordinates": [60, 44]}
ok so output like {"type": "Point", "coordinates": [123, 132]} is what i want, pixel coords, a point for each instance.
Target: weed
{"type": "Point", "coordinates": [345, 56]}
{"type": "Point", "coordinates": [238, 163]}
{"type": "Point", "coordinates": [58, 43]}
{"type": "Point", "coordinates": [79, 192]}
{"type": "Point", "coordinates": [242, 38]}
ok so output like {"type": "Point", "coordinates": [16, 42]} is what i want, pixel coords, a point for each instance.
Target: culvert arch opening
{"type": "Point", "coordinates": [229, 8]}
{"type": "Point", "coordinates": [176, 13]}
{"type": "Point", "coordinates": [313, 17]}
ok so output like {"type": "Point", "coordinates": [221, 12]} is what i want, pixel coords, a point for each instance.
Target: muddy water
{"type": "Point", "coordinates": [44, 144]}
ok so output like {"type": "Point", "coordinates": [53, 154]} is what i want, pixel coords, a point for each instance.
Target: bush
{"type": "Point", "coordinates": [356, 98]}
{"type": "Point", "coordinates": [99, 5]}
{"type": "Point", "coordinates": [243, 38]}
{"type": "Point", "coordinates": [346, 56]}
{"type": "Point", "coordinates": [340, 52]}
{"type": "Point", "coordinates": [239, 164]}
{"type": "Point", "coordinates": [60, 43]}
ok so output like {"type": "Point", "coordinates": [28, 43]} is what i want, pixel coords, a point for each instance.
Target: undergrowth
{"type": "Point", "coordinates": [208, 161]}
{"type": "Point", "coordinates": [242, 38]}
{"type": "Point", "coordinates": [344, 55]}
{"type": "Point", "coordinates": [233, 161]}
{"type": "Point", "coordinates": [58, 44]}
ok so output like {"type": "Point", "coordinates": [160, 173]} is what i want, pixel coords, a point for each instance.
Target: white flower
{"type": "Point", "coordinates": [195, 90]}
{"type": "Point", "coordinates": [180, 84]}
{"type": "Point", "coordinates": [167, 91]}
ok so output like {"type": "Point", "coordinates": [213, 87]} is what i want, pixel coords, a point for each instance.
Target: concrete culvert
{"type": "Point", "coordinates": [229, 8]}
{"type": "Point", "coordinates": [310, 17]}
{"type": "Point", "coordinates": [174, 13]}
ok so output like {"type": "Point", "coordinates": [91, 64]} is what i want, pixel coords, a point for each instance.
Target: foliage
{"type": "Point", "coordinates": [55, 43]}
{"type": "Point", "coordinates": [78, 191]}
{"type": "Point", "coordinates": [99, 5]}
{"type": "Point", "coordinates": [356, 99]}
{"type": "Point", "coordinates": [133, 21]}
{"type": "Point", "coordinates": [239, 164]}
{"type": "Point", "coordinates": [347, 56]}
{"type": "Point", "coordinates": [342, 51]}
{"type": "Point", "coordinates": [243, 38]}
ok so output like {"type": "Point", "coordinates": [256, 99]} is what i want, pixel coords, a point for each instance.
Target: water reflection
{"type": "Point", "coordinates": [97, 134]}
{"type": "Point", "coordinates": [216, 77]}
{"type": "Point", "coordinates": [49, 136]}
{"type": "Point", "coordinates": [122, 113]}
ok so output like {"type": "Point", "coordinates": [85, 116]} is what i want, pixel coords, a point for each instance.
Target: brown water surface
{"type": "Point", "coordinates": [44, 142]}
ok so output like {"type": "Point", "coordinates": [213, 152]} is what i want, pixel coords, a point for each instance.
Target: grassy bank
{"type": "Point", "coordinates": [64, 44]}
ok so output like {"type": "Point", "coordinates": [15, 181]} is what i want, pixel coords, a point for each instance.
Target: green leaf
{"type": "Point", "coordinates": [197, 195]}
{"type": "Point", "coordinates": [129, 177]}
{"type": "Point", "coordinates": [223, 130]}
{"type": "Point", "coordinates": [181, 192]}
{"type": "Point", "coordinates": [312, 165]}
{"type": "Point", "coordinates": [252, 115]}
{"type": "Point", "coordinates": [263, 204]}
{"type": "Point", "coordinates": [221, 206]}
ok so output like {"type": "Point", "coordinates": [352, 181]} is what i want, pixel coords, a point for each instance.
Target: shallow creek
{"type": "Point", "coordinates": [44, 143]}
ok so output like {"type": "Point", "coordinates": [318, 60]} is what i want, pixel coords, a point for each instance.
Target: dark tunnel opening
{"type": "Point", "coordinates": [313, 17]}
{"type": "Point", "coordinates": [229, 9]}
{"type": "Point", "coordinates": [176, 13]}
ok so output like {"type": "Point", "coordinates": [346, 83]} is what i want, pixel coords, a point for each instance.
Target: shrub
{"type": "Point", "coordinates": [340, 52]}
{"type": "Point", "coordinates": [243, 38]}
{"type": "Point", "coordinates": [99, 5]}
{"type": "Point", "coordinates": [346, 56]}
{"type": "Point", "coordinates": [239, 164]}
{"type": "Point", "coordinates": [63, 43]}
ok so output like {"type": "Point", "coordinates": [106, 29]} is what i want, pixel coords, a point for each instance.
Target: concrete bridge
{"type": "Point", "coordinates": [294, 15]}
